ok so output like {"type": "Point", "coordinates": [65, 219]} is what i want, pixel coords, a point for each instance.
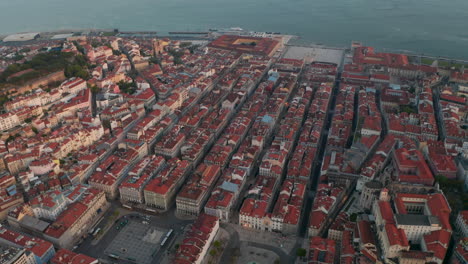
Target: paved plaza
{"type": "Point", "coordinates": [137, 242]}
{"type": "Point", "coordinates": [321, 54]}
{"type": "Point", "coordinates": [254, 255]}
{"type": "Point", "coordinates": [286, 243]}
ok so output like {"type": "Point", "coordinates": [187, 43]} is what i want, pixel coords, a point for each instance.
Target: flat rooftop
{"type": "Point", "coordinates": [8, 253]}
{"type": "Point", "coordinates": [21, 37]}
{"type": "Point", "coordinates": [34, 223]}
{"type": "Point", "coordinates": [62, 36]}
{"type": "Point", "coordinates": [416, 220]}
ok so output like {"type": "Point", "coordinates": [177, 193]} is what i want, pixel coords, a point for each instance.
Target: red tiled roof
{"type": "Point", "coordinates": [254, 208]}
{"type": "Point", "coordinates": [437, 242]}
{"type": "Point", "coordinates": [66, 219]}
{"type": "Point", "coordinates": [365, 232]}
{"type": "Point", "coordinates": [386, 211]}
{"type": "Point", "coordinates": [65, 256]}
{"type": "Point", "coordinates": [322, 249]}
{"type": "Point", "coordinates": [462, 250]}
{"type": "Point", "coordinates": [396, 236]}
{"type": "Point", "coordinates": [37, 246]}
{"type": "Point", "coordinates": [195, 240]}
{"type": "Point", "coordinates": [413, 160]}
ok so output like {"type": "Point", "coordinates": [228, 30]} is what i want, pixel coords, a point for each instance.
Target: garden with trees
{"type": "Point", "coordinates": [43, 64]}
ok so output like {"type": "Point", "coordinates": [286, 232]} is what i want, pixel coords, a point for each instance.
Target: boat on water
{"type": "Point", "coordinates": [236, 29]}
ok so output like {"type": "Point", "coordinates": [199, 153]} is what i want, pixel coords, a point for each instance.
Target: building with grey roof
{"type": "Point", "coordinates": [21, 37]}
{"type": "Point", "coordinates": [417, 225]}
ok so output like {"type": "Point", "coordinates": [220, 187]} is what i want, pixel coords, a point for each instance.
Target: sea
{"type": "Point", "coordinates": [429, 27]}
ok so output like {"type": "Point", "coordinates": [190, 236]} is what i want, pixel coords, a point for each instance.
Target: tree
{"type": "Point", "coordinates": [106, 124]}
{"type": "Point", "coordinates": [154, 60]}
{"type": "Point", "coordinates": [133, 73]}
{"type": "Point", "coordinates": [23, 50]}
{"type": "Point", "coordinates": [79, 47]}
{"type": "Point", "coordinates": [3, 99]}
{"type": "Point", "coordinates": [45, 63]}
{"type": "Point", "coordinates": [353, 217]}
{"type": "Point", "coordinates": [217, 244]}
{"type": "Point", "coordinates": [407, 108]}
{"type": "Point", "coordinates": [81, 60]}
{"type": "Point", "coordinates": [75, 70]}
{"type": "Point", "coordinates": [213, 252]}
{"type": "Point", "coordinates": [94, 89]}
{"type": "Point", "coordinates": [128, 88]}
{"type": "Point", "coordinates": [301, 252]}
{"type": "Point", "coordinates": [10, 138]}
{"type": "Point", "coordinates": [193, 48]}
{"type": "Point", "coordinates": [442, 180]}
{"type": "Point", "coordinates": [95, 44]}
{"type": "Point", "coordinates": [177, 56]}
{"type": "Point", "coordinates": [178, 60]}
{"type": "Point", "coordinates": [18, 57]}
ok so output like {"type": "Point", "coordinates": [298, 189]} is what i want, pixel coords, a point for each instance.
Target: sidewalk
{"type": "Point", "coordinates": [184, 216]}
{"type": "Point", "coordinates": [222, 237]}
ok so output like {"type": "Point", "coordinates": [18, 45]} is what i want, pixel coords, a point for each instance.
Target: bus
{"type": "Point", "coordinates": [113, 256]}
{"type": "Point", "coordinates": [96, 231]}
{"type": "Point", "coordinates": [164, 242]}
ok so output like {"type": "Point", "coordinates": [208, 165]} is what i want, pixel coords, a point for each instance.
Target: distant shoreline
{"type": "Point", "coordinates": [191, 36]}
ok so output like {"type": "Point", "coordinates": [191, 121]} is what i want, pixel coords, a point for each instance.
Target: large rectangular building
{"type": "Point", "coordinates": [77, 219]}
{"type": "Point", "coordinates": [160, 192]}
{"type": "Point", "coordinates": [246, 44]}
{"type": "Point", "coordinates": [194, 194]}
{"type": "Point", "coordinates": [43, 251]}
{"type": "Point", "coordinates": [418, 219]}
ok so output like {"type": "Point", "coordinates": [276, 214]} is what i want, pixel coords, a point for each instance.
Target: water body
{"type": "Point", "coordinates": [436, 27]}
